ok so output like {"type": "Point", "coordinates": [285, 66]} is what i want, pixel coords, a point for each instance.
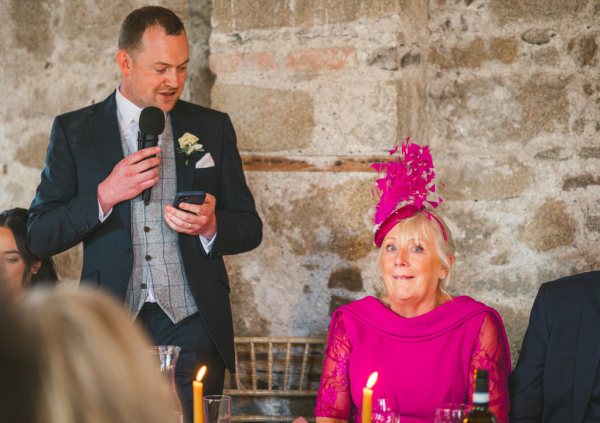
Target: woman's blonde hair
{"type": "Point", "coordinates": [423, 224]}
{"type": "Point", "coordinates": [95, 363]}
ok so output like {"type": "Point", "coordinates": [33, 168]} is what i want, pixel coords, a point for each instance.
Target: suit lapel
{"type": "Point", "coordinates": [588, 356]}
{"type": "Point", "coordinates": [107, 140]}
{"type": "Point", "coordinates": [180, 124]}
{"type": "Point", "coordinates": [105, 133]}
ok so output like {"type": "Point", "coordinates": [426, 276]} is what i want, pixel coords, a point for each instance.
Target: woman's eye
{"type": "Point", "coordinates": [390, 247]}
{"type": "Point", "coordinates": [418, 249]}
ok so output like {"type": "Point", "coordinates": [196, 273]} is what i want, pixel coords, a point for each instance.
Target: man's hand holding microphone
{"type": "Point", "coordinates": [137, 173]}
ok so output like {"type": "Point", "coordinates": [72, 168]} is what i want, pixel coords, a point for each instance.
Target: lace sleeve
{"type": "Point", "coordinates": [490, 354]}
{"type": "Point", "coordinates": [333, 397]}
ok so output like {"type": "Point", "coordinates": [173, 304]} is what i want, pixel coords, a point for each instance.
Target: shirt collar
{"type": "Point", "coordinates": [127, 109]}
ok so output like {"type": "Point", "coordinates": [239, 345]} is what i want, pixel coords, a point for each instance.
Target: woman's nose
{"type": "Point", "coordinates": [401, 258]}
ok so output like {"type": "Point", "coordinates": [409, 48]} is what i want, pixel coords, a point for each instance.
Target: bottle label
{"type": "Point", "coordinates": [481, 397]}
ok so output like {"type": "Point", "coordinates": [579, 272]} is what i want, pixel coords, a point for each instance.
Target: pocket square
{"type": "Point", "coordinates": [205, 161]}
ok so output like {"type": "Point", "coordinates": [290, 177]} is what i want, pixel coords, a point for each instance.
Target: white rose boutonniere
{"type": "Point", "coordinates": [188, 145]}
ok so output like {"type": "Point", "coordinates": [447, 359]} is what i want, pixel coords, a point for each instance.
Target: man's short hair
{"type": "Point", "coordinates": [136, 23]}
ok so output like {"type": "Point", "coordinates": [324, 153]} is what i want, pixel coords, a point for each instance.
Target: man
{"type": "Point", "coordinates": [164, 263]}
{"type": "Point", "coordinates": [557, 377]}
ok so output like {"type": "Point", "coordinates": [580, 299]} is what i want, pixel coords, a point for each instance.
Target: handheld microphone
{"type": "Point", "coordinates": [152, 124]}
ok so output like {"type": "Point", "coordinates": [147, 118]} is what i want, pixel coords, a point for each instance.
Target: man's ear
{"type": "Point", "coordinates": [123, 61]}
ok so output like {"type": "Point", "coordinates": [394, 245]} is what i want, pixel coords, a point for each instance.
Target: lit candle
{"type": "Point", "coordinates": [198, 387]}
{"type": "Point", "coordinates": [367, 399]}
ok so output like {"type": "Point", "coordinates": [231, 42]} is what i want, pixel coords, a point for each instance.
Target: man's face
{"type": "Point", "coordinates": [154, 74]}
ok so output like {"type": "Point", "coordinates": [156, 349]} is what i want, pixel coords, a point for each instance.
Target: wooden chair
{"type": "Point", "coordinates": [276, 378]}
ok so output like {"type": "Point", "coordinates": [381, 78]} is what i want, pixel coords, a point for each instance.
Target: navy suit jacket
{"type": "Point", "coordinates": [555, 375]}
{"type": "Point", "coordinates": [84, 147]}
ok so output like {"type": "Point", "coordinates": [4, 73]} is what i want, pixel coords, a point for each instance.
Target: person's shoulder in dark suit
{"type": "Point", "coordinates": [541, 386]}
{"type": "Point", "coordinates": [79, 112]}
{"type": "Point", "coordinates": [72, 120]}
{"type": "Point", "coordinates": [570, 290]}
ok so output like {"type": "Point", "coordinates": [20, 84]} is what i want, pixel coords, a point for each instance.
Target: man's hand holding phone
{"type": "Point", "coordinates": [193, 197]}
{"type": "Point", "coordinates": [193, 219]}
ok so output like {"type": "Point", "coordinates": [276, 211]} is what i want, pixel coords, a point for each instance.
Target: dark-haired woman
{"type": "Point", "coordinates": [19, 268]}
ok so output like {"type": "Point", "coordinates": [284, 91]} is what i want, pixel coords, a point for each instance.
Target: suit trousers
{"type": "Point", "coordinates": [197, 349]}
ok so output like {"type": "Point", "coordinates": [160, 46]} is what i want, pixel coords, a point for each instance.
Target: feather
{"type": "Point", "coordinates": [404, 180]}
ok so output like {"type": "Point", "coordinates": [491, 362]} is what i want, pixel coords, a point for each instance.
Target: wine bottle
{"type": "Point", "coordinates": [480, 410]}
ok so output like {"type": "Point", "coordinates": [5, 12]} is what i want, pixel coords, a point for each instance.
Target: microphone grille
{"type": "Point", "coordinates": [152, 121]}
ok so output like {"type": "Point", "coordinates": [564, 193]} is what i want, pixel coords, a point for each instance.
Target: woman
{"type": "Point", "coordinates": [21, 269]}
{"type": "Point", "coordinates": [91, 362]}
{"type": "Point", "coordinates": [424, 343]}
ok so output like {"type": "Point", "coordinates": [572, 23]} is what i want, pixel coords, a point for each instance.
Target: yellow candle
{"type": "Point", "coordinates": [198, 387]}
{"type": "Point", "coordinates": [367, 399]}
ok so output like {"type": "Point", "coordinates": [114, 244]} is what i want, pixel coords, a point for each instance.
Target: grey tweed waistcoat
{"type": "Point", "coordinates": [157, 261]}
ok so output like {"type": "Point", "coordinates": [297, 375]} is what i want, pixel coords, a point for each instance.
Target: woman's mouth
{"type": "Point", "coordinates": [403, 277]}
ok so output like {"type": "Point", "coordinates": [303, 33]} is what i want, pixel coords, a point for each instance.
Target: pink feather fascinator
{"type": "Point", "coordinates": [404, 187]}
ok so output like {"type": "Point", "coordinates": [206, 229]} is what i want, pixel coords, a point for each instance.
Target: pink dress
{"type": "Point", "coordinates": [423, 362]}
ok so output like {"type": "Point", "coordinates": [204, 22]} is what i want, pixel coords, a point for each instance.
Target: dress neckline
{"type": "Point", "coordinates": [375, 314]}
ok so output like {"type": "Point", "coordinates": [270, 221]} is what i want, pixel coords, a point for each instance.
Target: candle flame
{"type": "Point", "coordinates": [372, 380]}
{"type": "Point", "coordinates": [201, 373]}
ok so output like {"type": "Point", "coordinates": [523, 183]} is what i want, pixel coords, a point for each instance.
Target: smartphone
{"type": "Point", "coordinates": [192, 197]}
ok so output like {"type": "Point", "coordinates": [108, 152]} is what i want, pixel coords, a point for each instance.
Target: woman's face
{"type": "Point", "coordinates": [411, 271]}
{"type": "Point", "coordinates": [12, 262]}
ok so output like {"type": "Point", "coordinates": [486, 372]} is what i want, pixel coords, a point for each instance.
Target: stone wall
{"type": "Point", "coordinates": [506, 92]}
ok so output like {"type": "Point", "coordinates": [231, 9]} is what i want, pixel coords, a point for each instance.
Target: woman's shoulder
{"type": "Point", "coordinates": [470, 309]}
{"type": "Point", "coordinates": [367, 304]}
{"type": "Point", "coordinates": [485, 315]}
{"type": "Point", "coordinates": [366, 311]}
{"type": "Point", "coordinates": [467, 302]}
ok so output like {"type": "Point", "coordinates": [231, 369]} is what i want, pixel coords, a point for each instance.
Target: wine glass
{"type": "Point", "coordinates": [451, 413]}
{"type": "Point", "coordinates": [385, 410]}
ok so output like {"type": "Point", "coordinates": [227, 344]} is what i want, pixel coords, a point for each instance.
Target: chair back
{"type": "Point", "coordinates": [276, 378]}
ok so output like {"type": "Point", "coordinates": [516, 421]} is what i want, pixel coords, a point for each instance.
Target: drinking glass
{"type": "Point", "coordinates": [217, 409]}
{"type": "Point", "coordinates": [451, 413]}
{"type": "Point", "coordinates": [385, 410]}
{"type": "Point", "coordinates": [167, 359]}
